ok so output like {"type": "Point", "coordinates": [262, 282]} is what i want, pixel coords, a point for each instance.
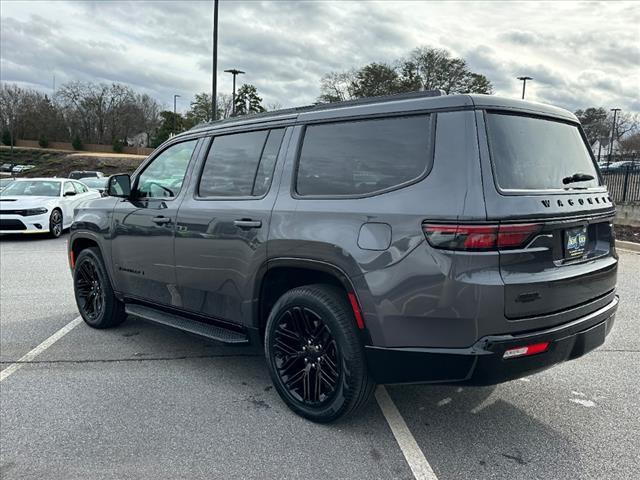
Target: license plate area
{"type": "Point", "coordinates": [575, 242]}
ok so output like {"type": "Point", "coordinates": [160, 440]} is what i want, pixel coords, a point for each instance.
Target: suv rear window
{"type": "Point", "coordinates": [363, 157]}
{"type": "Point", "coordinates": [531, 153]}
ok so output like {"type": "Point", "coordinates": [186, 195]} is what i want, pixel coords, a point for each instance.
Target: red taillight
{"type": "Point", "coordinates": [526, 350]}
{"type": "Point", "coordinates": [479, 237]}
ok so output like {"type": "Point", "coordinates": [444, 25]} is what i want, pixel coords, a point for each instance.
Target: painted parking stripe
{"type": "Point", "coordinates": [40, 348]}
{"type": "Point", "coordinates": [410, 449]}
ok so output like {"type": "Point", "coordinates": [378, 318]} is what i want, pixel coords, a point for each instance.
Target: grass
{"type": "Point", "coordinates": [58, 163]}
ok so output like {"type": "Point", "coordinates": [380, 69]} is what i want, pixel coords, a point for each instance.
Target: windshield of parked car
{"type": "Point", "coordinates": [33, 188]}
{"type": "Point", "coordinates": [531, 153]}
{"type": "Point", "coordinates": [95, 182]}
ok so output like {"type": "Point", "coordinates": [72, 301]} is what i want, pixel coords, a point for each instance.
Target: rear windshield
{"type": "Point", "coordinates": [536, 154]}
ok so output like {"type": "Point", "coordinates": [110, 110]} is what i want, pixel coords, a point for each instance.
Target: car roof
{"type": "Point", "coordinates": [433, 100]}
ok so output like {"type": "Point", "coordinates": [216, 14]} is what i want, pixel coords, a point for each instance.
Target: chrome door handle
{"type": "Point", "coordinates": [247, 223]}
{"type": "Point", "coordinates": [161, 220]}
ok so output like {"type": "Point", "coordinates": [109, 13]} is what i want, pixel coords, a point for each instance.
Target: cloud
{"type": "Point", "coordinates": [164, 48]}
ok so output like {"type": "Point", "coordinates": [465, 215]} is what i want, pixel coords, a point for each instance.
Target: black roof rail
{"type": "Point", "coordinates": [324, 106]}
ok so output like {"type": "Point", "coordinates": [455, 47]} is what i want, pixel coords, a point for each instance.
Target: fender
{"type": "Point", "coordinates": [106, 256]}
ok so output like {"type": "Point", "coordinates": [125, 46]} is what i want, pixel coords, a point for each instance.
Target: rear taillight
{"type": "Point", "coordinates": [479, 237]}
{"type": "Point", "coordinates": [526, 351]}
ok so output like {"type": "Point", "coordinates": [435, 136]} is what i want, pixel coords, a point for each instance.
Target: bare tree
{"type": "Point", "coordinates": [11, 106]}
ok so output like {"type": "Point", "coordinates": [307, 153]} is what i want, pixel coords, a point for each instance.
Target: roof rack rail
{"type": "Point", "coordinates": [325, 106]}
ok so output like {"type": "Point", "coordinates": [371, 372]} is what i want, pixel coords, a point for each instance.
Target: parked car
{"type": "Point", "coordinates": [78, 174]}
{"type": "Point", "coordinates": [416, 238]}
{"type": "Point", "coordinates": [98, 184]}
{"type": "Point", "coordinates": [21, 168]}
{"type": "Point", "coordinates": [41, 205]}
{"type": "Point", "coordinates": [6, 167]}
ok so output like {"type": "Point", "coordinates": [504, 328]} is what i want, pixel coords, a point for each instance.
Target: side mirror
{"type": "Point", "coordinates": [69, 194]}
{"type": "Point", "coordinates": [119, 186]}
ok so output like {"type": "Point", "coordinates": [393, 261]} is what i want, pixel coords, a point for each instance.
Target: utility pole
{"type": "Point", "coordinates": [214, 84]}
{"type": "Point", "coordinates": [613, 130]}
{"type": "Point", "coordinates": [174, 114]}
{"type": "Point", "coordinates": [524, 83]}
{"type": "Point", "coordinates": [234, 72]}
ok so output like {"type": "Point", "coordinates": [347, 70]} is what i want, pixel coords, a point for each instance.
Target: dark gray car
{"type": "Point", "coordinates": [413, 238]}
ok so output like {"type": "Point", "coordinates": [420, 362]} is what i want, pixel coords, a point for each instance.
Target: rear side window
{"type": "Point", "coordinates": [530, 153]}
{"type": "Point", "coordinates": [233, 167]}
{"type": "Point", "coordinates": [363, 157]}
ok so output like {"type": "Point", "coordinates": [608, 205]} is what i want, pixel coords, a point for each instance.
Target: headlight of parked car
{"type": "Point", "coordinates": [34, 211]}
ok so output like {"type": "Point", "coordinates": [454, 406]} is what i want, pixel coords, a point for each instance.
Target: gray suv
{"type": "Point", "coordinates": [419, 238]}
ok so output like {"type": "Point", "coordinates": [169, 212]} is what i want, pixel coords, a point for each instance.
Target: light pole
{"type": "Point", "coordinates": [524, 83]}
{"type": "Point", "coordinates": [174, 113]}
{"type": "Point", "coordinates": [214, 68]}
{"type": "Point", "coordinates": [234, 72]}
{"type": "Point", "coordinates": [613, 129]}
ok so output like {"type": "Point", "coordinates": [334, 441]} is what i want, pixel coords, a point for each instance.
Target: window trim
{"type": "Point", "coordinates": [149, 161]}
{"type": "Point", "coordinates": [433, 120]}
{"type": "Point", "coordinates": [521, 192]}
{"type": "Point", "coordinates": [211, 139]}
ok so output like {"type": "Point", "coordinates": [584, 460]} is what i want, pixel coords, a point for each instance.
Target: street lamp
{"type": "Point", "coordinates": [613, 129]}
{"type": "Point", "coordinates": [524, 83]}
{"type": "Point", "coordinates": [214, 66]}
{"type": "Point", "coordinates": [174, 113]}
{"type": "Point", "coordinates": [234, 72]}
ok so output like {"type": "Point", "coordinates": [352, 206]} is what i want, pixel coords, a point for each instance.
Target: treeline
{"type": "Point", "coordinates": [425, 68]}
{"type": "Point", "coordinates": [85, 112]}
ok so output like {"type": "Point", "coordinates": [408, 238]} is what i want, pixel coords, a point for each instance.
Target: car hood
{"type": "Point", "coordinates": [18, 202]}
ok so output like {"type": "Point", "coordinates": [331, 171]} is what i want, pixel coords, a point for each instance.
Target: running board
{"type": "Point", "coordinates": [206, 330]}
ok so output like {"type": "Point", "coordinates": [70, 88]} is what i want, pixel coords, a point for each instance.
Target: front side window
{"type": "Point", "coordinates": [530, 153]}
{"type": "Point", "coordinates": [241, 164]}
{"type": "Point", "coordinates": [80, 188]}
{"type": "Point", "coordinates": [68, 188]}
{"type": "Point", "coordinates": [363, 157]}
{"type": "Point", "coordinates": [164, 176]}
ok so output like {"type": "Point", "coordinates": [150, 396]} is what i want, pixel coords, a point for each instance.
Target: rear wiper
{"type": "Point", "coordinates": [577, 177]}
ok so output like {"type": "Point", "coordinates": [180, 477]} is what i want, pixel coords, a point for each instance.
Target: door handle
{"type": "Point", "coordinates": [161, 220]}
{"type": "Point", "coordinates": [247, 223]}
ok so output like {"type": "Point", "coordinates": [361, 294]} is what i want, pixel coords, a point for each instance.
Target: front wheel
{"type": "Point", "coordinates": [95, 298]}
{"type": "Point", "coordinates": [314, 356]}
{"type": "Point", "coordinates": [55, 223]}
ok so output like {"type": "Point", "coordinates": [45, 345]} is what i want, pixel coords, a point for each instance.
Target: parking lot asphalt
{"type": "Point", "coordinates": [144, 401]}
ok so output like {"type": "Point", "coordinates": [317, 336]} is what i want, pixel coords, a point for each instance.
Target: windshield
{"type": "Point", "coordinates": [94, 182]}
{"type": "Point", "coordinates": [33, 188]}
{"type": "Point", "coordinates": [536, 154]}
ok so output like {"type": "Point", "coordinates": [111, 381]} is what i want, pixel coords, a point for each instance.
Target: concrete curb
{"type": "Point", "coordinates": [633, 246]}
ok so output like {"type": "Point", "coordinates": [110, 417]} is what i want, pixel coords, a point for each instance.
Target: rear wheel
{"type": "Point", "coordinates": [314, 356]}
{"type": "Point", "coordinates": [55, 223]}
{"type": "Point", "coordinates": [95, 298]}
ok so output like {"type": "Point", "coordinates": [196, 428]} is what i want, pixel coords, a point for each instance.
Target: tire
{"type": "Point", "coordinates": [56, 223]}
{"type": "Point", "coordinates": [301, 368]}
{"type": "Point", "coordinates": [95, 298]}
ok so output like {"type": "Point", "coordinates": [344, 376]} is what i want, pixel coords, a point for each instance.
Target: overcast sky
{"type": "Point", "coordinates": [579, 54]}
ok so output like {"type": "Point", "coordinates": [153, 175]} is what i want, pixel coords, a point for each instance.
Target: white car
{"type": "Point", "coordinates": [41, 205]}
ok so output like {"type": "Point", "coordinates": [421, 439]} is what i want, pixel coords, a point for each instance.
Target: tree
{"type": "Point", "coordinates": [596, 125]}
{"type": "Point", "coordinates": [630, 146]}
{"type": "Point", "coordinates": [167, 121]}
{"type": "Point", "coordinates": [200, 111]}
{"type": "Point", "coordinates": [376, 79]}
{"type": "Point", "coordinates": [11, 104]}
{"type": "Point", "coordinates": [424, 69]}
{"type": "Point", "coordinates": [248, 101]}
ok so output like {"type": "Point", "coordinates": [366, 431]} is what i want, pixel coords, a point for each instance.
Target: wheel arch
{"type": "Point", "coordinates": [280, 275]}
{"type": "Point", "coordinates": [81, 241]}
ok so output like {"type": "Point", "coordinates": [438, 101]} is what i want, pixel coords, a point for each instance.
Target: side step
{"type": "Point", "coordinates": [213, 332]}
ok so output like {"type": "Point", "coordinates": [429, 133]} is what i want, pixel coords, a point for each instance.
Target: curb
{"type": "Point", "coordinates": [633, 246]}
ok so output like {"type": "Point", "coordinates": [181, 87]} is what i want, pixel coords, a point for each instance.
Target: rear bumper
{"type": "Point", "coordinates": [482, 364]}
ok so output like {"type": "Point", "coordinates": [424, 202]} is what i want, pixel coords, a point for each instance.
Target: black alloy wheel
{"type": "Point", "coordinates": [306, 355]}
{"type": "Point", "coordinates": [89, 290]}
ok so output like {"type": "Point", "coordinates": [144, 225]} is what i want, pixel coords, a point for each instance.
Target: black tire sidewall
{"type": "Point", "coordinates": [51, 224]}
{"type": "Point", "coordinates": [350, 353]}
{"type": "Point", "coordinates": [111, 304]}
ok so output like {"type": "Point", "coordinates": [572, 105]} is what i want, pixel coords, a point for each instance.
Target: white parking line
{"type": "Point", "coordinates": [410, 449]}
{"type": "Point", "coordinates": [40, 348]}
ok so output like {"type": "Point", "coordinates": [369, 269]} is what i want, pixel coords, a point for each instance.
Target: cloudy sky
{"type": "Point", "coordinates": [579, 53]}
